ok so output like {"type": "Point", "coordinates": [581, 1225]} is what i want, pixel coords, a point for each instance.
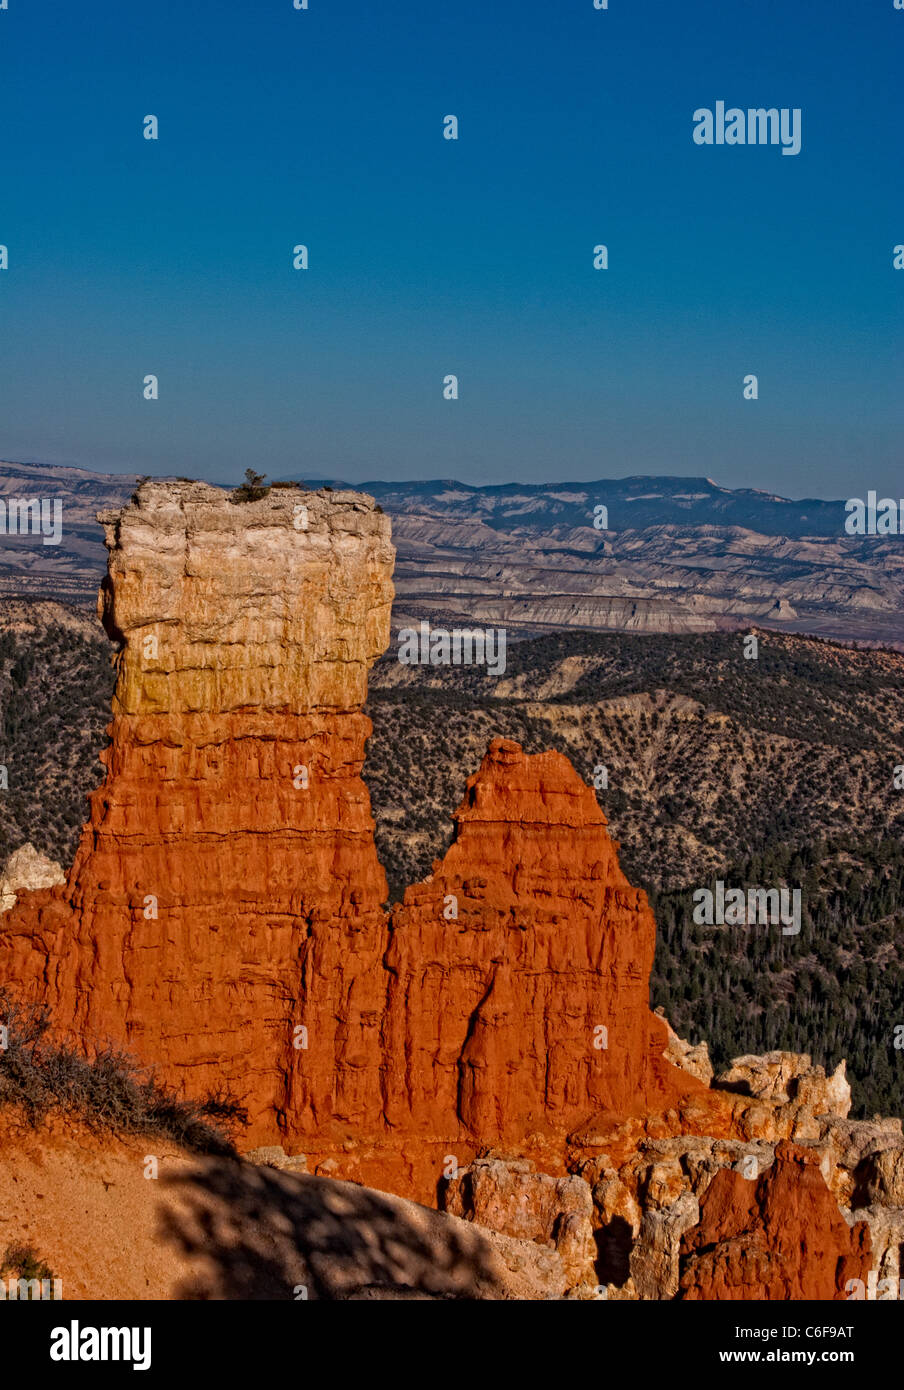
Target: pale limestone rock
{"type": "Point", "coordinates": [847, 1150]}
{"type": "Point", "coordinates": [881, 1177]}
{"type": "Point", "coordinates": [855, 1140]}
{"type": "Point", "coordinates": [662, 1183]}
{"type": "Point", "coordinates": [662, 1169]}
{"type": "Point", "coordinates": [515, 1201]}
{"type": "Point", "coordinates": [789, 1097]}
{"type": "Point", "coordinates": [690, 1058]}
{"type": "Point", "coordinates": [616, 1219]}
{"type": "Point", "coordinates": [613, 1201]}
{"type": "Point", "coordinates": [25, 870]}
{"type": "Point", "coordinates": [702, 1164]}
{"type": "Point", "coordinates": [654, 1259]}
{"type": "Point", "coordinates": [621, 1293]}
{"type": "Point", "coordinates": [275, 1156]}
{"type": "Point", "coordinates": [587, 1293]}
{"type": "Point", "coordinates": [826, 1095]}
{"type": "Point", "coordinates": [281, 603]}
{"type": "Point", "coordinates": [766, 1077]}
{"type": "Point", "coordinates": [886, 1228]}
{"type": "Point", "coordinates": [784, 1077]}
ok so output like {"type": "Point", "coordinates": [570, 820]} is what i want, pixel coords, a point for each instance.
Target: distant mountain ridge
{"type": "Point", "coordinates": [676, 555]}
{"type": "Point", "coordinates": [643, 554]}
{"type": "Point", "coordinates": [633, 503]}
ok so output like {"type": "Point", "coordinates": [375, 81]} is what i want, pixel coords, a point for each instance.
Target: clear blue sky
{"type": "Point", "coordinates": [427, 256]}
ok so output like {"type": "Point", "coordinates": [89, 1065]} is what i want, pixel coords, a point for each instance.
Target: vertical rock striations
{"type": "Point", "coordinates": [226, 891]}
{"type": "Point", "coordinates": [224, 917]}
{"type": "Point", "coordinates": [519, 994]}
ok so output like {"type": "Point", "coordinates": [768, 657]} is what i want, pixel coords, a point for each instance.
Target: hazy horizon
{"type": "Point", "coordinates": [313, 476]}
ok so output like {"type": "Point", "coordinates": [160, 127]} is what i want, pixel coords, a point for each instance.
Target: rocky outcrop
{"type": "Point", "coordinates": [884, 1282]}
{"type": "Point", "coordinates": [519, 970]}
{"type": "Point", "coordinates": [780, 1237]}
{"type": "Point", "coordinates": [655, 1258]}
{"type": "Point", "coordinates": [786, 1097]}
{"type": "Point", "coordinates": [693, 1058]}
{"type": "Point", "coordinates": [648, 1237]}
{"type": "Point", "coordinates": [25, 870]}
{"type": "Point", "coordinates": [783, 1076]}
{"type": "Point", "coordinates": [510, 1197]}
{"type": "Point", "coordinates": [880, 1176]}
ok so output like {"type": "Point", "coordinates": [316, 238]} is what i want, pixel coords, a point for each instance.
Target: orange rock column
{"type": "Point", "coordinates": [223, 915]}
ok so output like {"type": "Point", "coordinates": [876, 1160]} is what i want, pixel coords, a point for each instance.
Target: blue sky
{"type": "Point", "coordinates": [427, 256]}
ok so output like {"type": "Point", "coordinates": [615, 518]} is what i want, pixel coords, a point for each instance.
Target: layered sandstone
{"type": "Point", "coordinates": [229, 859]}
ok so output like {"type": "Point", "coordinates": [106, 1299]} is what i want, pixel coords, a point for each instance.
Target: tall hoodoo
{"type": "Point", "coordinates": [225, 921]}
{"type": "Point", "coordinates": [229, 859]}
